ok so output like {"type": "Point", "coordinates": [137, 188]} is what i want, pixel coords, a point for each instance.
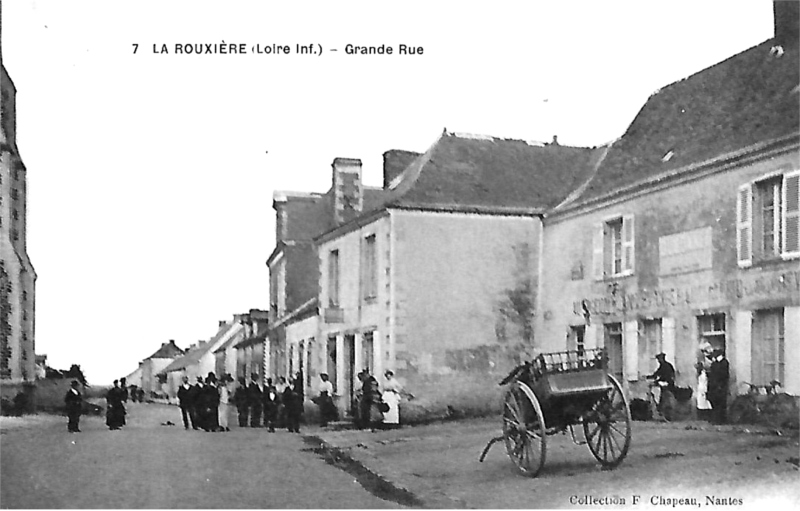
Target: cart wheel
{"type": "Point", "coordinates": [607, 426]}
{"type": "Point", "coordinates": [523, 429]}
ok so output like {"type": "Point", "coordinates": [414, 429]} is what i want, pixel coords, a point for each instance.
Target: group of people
{"type": "Point", "coordinates": [116, 398]}
{"type": "Point", "coordinates": [376, 408]}
{"type": "Point", "coordinates": [204, 404]}
{"type": "Point", "coordinates": [713, 376]}
{"type": "Point", "coordinates": [280, 404]}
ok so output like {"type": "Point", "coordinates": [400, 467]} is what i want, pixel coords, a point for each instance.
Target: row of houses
{"type": "Point", "coordinates": [481, 251]}
{"type": "Point", "coordinates": [235, 349]}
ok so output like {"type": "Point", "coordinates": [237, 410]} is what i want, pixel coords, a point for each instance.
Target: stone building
{"type": "Point", "coordinates": [17, 276]}
{"type": "Point", "coordinates": [689, 230]}
{"type": "Point", "coordinates": [155, 363]}
{"type": "Point", "coordinates": [437, 280]}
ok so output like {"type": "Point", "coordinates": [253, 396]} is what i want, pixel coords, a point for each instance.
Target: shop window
{"type": "Point", "coordinates": [613, 252]}
{"type": "Point", "coordinates": [711, 329]}
{"type": "Point", "coordinates": [768, 347]}
{"type": "Point", "coordinates": [768, 219]}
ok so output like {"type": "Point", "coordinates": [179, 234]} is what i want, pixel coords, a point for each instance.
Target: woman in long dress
{"type": "Point", "coordinates": [703, 404]}
{"type": "Point", "coordinates": [392, 393]}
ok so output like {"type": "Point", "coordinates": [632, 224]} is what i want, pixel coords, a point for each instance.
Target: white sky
{"type": "Point", "coordinates": [150, 190]}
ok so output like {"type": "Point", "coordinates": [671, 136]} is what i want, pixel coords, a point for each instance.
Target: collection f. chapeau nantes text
{"type": "Point", "coordinates": [277, 49]}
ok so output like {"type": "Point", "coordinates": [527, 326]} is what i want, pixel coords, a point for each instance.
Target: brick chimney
{"type": "Point", "coordinates": [348, 193]}
{"type": "Point", "coordinates": [787, 22]}
{"type": "Point", "coordinates": [279, 205]}
{"type": "Point", "coordinates": [395, 162]}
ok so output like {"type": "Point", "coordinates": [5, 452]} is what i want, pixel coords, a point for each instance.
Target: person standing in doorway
{"type": "Point", "coordinates": [73, 401]}
{"type": "Point", "coordinates": [703, 365]}
{"type": "Point", "coordinates": [185, 395]}
{"type": "Point", "coordinates": [718, 380]}
{"type": "Point", "coordinates": [327, 408]}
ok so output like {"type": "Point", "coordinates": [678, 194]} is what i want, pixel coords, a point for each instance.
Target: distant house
{"type": "Point", "coordinates": [252, 348]}
{"type": "Point", "coordinates": [135, 378]}
{"type": "Point", "coordinates": [199, 360]}
{"type": "Point", "coordinates": [155, 363]}
{"type": "Point", "coordinates": [437, 280]}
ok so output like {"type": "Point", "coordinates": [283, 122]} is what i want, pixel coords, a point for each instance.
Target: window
{"type": "Point", "coordinates": [614, 248]}
{"type": "Point", "coordinates": [650, 344]}
{"type": "Point", "coordinates": [575, 340]}
{"type": "Point", "coordinates": [333, 278]}
{"type": "Point", "coordinates": [768, 347]}
{"type": "Point", "coordinates": [613, 347]}
{"type": "Point", "coordinates": [711, 329]}
{"type": "Point", "coordinates": [369, 264]}
{"type": "Point", "coordinates": [768, 219]}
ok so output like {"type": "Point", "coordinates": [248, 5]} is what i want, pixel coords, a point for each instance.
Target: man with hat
{"type": "Point", "coordinates": [73, 401]}
{"type": "Point", "coordinates": [255, 394]}
{"type": "Point", "coordinates": [663, 379]}
{"type": "Point", "coordinates": [718, 379]}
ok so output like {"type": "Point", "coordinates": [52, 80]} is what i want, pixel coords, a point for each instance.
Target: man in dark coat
{"type": "Point", "coordinates": [73, 401]}
{"type": "Point", "coordinates": [293, 407]}
{"type": "Point", "coordinates": [718, 379]}
{"type": "Point", "coordinates": [198, 398]}
{"type": "Point", "coordinates": [270, 402]}
{"type": "Point", "coordinates": [241, 400]}
{"type": "Point", "coordinates": [185, 397]}
{"type": "Point", "coordinates": [256, 394]}
{"type": "Point", "coordinates": [369, 401]}
{"type": "Point", "coordinates": [663, 378]}
{"type": "Point", "coordinates": [211, 403]}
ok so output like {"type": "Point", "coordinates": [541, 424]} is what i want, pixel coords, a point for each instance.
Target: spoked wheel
{"type": "Point", "coordinates": [607, 426]}
{"type": "Point", "coordinates": [523, 429]}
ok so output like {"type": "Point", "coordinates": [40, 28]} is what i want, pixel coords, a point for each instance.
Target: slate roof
{"type": "Point", "coordinates": [749, 98]}
{"type": "Point", "coordinates": [167, 350]}
{"type": "Point", "coordinates": [492, 174]}
{"type": "Point", "coordinates": [195, 354]}
{"type": "Point", "coordinates": [312, 214]}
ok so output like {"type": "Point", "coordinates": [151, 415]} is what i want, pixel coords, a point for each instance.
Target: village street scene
{"type": "Point", "coordinates": [499, 323]}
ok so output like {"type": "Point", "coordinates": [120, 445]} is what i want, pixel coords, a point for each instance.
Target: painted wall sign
{"type": "Point", "coordinates": [685, 252]}
{"type": "Point", "coordinates": [774, 285]}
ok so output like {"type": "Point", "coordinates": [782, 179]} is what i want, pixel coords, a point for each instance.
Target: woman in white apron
{"type": "Point", "coordinates": [703, 404]}
{"type": "Point", "coordinates": [392, 392]}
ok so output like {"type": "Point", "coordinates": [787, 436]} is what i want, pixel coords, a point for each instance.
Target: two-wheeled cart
{"type": "Point", "coordinates": [555, 392]}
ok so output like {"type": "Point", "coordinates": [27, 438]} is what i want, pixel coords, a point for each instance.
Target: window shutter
{"type": "Point", "coordinates": [598, 265]}
{"type": "Point", "coordinates": [590, 337]}
{"type": "Point", "coordinates": [628, 255]}
{"type": "Point", "coordinates": [631, 342]}
{"type": "Point", "coordinates": [668, 339]}
{"type": "Point", "coordinates": [791, 214]}
{"type": "Point", "coordinates": [744, 225]}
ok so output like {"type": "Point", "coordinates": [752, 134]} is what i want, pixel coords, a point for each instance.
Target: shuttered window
{"type": "Point", "coordinates": [744, 225]}
{"type": "Point", "coordinates": [791, 214]}
{"type": "Point", "coordinates": [613, 248]}
{"type": "Point", "coordinates": [768, 219]}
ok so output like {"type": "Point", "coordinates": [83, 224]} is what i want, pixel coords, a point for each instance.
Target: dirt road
{"type": "Point", "coordinates": [147, 465]}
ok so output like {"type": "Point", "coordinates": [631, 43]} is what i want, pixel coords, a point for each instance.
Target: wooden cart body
{"type": "Point", "coordinates": [553, 393]}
